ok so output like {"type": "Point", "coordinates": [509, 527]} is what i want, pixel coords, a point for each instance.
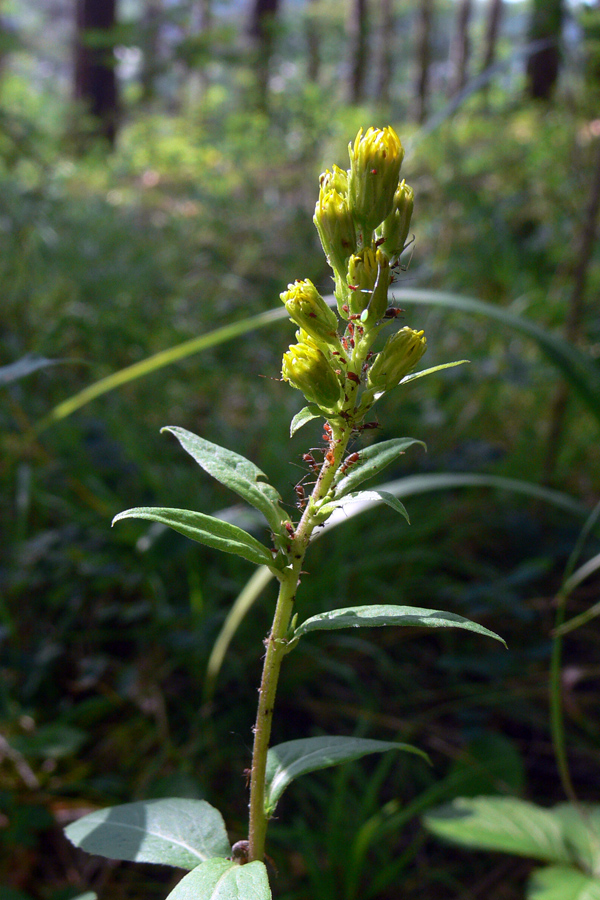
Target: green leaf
{"type": "Point", "coordinates": [285, 762]}
{"type": "Point", "coordinates": [501, 823]}
{"type": "Point", "coordinates": [363, 497]}
{"type": "Point", "coordinates": [414, 375]}
{"type": "Point", "coordinates": [25, 366]}
{"type": "Point", "coordinates": [562, 883]}
{"type": "Point", "coordinates": [377, 616]}
{"type": "Point", "coordinates": [206, 530]}
{"type": "Point", "coordinates": [305, 415]}
{"type": "Point", "coordinates": [235, 472]}
{"type": "Point", "coordinates": [174, 832]}
{"type": "Point", "coordinates": [372, 460]}
{"type": "Point", "coordinates": [581, 828]}
{"type": "Point", "coordinates": [222, 879]}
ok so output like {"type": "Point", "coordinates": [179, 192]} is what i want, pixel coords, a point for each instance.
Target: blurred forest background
{"type": "Point", "coordinates": [159, 164]}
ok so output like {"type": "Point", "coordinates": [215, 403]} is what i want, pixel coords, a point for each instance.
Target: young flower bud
{"type": "Point", "coordinates": [375, 162]}
{"type": "Point", "coordinates": [308, 370]}
{"type": "Point", "coordinates": [394, 230]}
{"type": "Point", "coordinates": [400, 354]}
{"type": "Point", "coordinates": [308, 310]}
{"type": "Point", "coordinates": [369, 278]}
{"type": "Point", "coordinates": [336, 180]}
{"type": "Point", "coordinates": [336, 228]}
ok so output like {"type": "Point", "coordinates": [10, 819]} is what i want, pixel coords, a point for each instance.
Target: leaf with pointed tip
{"type": "Point", "coordinates": [235, 472]}
{"type": "Point", "coordinates": [414, 375]}
{"type": "Point", "coordinates": [377, 616]}
{"type": "Point", "coordinates": [501, 823]}
{"type": "Point", "coordinates": [173, 831]}
{"type": "Point", "coordinates": [25, 366]}
{"type": "Point", "coordinates": [362, 497]}
{"type": "Point", "coordinates": [206, 530]}
{"type": "Point", "coordinates": [305, 415]}
{"type": "Point", "coordinates": [288, 761]}
{"type": "Point", "coordinates": [562, 883]}
{"type": "Point", "coordinates": [223, 879]}
{"type": "Point", "coordinates": [372, 460]}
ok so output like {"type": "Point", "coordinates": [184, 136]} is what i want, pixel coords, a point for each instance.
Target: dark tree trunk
{"type": "Point", "coordinates": [95, 77]}
{"type": "Point", "coordinates": [492, 30]}
{"type": "Point", "coordinates": [423, 52]}
{"type": "Point", "coordinates": [386, 51]}
{"type": "Point", "coordinates": [460, 49]}
{"type": "Point", "coordinates": [543, 65]}
{"type": "Point", "coordinates": [313, 44]}
{"type": "Point", "coordinates": [261, 31]}
{"type": "Point", "coordinates": [357, 32]}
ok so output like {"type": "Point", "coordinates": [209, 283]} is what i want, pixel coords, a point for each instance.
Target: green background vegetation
{"type": "Point", "coordinates": [198, 217]}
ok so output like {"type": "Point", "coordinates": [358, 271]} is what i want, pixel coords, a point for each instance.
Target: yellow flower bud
{"type": "Point", "coordinates": [395, 228]}
{"type": "Point", "coordinates": [400, 354]}
{"type": "Point", "coordinates": [336, 228]}
{"type": "Point", "coordinates": [336, 180]}
{"type": "Point", "coordinates": [308, 310]}
{"type": "Point", "coordinates": [369, 278]}
{"type": "Point", "coordinates": [375, 162]}
{"type": "Point", "coordinates": [308, 370]}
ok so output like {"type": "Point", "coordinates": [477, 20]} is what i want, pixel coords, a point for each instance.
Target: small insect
{"type": "Point", "coordinates": [353, 377]}
{"type": "Point", "coordinates": [290, 529]}
{"type": "Point", "coordinates": [393, 312]}
{"type": "Point", "coordinates": [330, 457]}
{"type": "Point", "coordinates": [301, 495]}
{"type": "Point", "coordinates": [367, 426]}
{"type": "Point", "coordinates": [350, 461]}
{"type": "Point", "coordinates": [312, 463]}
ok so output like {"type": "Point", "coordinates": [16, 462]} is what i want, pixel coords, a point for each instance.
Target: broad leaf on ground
{"type": "Point", "coordinates": [501, 823]}
{"type": "Point", "coordinates": [371, 461]}
{"type": "Point", "coordinates": [206, 530]}
{"type": "Point", "coordinates": [222, 879]}
{"type": "Point", "coordinates": [174, 832]}
{"type": "Point", "coordinates": [562, 883]}
{"type": "Point", "coordinates": [287, 761]}
{"type": "Point", "coordinates": [581, 828]}
{"type": "Point", "coordinates": [376, 616]}
{"type": "Point", "coordinates": [235, 472]}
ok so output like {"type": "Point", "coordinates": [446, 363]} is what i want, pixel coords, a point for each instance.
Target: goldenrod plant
{"type": "Point", "coordinates": [363, 218]}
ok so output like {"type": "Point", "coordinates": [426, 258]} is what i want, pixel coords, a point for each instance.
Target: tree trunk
{"type": "Point", "coordinates": [386, 51]}
{"type": "Point", "coordinates": [95, 77]}
{"type": "Point", "coordinates": [357, 32]}
{"type": "Point", "coordinates": [460, 49]}
{"type": "Point", "coordinates": [492, 31]}
{"type": "Point", "coordinates": [543, 65]}
{"type": "Point", "coordinates": [423, 43]}
{"type": "Point", "coordinates": [261, 31]}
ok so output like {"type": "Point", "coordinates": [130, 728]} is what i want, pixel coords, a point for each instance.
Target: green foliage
{"type": "Point", "coordinates": [566, 835]}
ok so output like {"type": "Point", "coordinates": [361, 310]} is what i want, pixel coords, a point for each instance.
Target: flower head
{"type": "Point", "coordinates": [375, 161]}
{"type": "Point", "coordinates": [401, 353]}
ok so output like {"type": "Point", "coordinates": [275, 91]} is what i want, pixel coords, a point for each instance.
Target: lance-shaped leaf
{"type": "Point", "coordinates": [414, 375]}
{"type": "Point", "coordinates": [581, 827]}
{"type": "Point", "coordinates": [206, 530]}
{"type": "Point", "coordinates": [174, 832]}
{"type": "Point", "coordinates": [562, 883]}
{"type": "Point", "coordinates": [371, 461]}
{"type": "Point", "coordinates": [287, 761]}
{"type": "Point", "coordinates": [235, 472]}
{"type": "Point", "coordinates": [365, 497]}
{"type": "Point", "coordinates": [376, 616]}
{"type": "Point", "coordinates": [306, 414]}
{"type": "Point", "coordinates": [222, 879]}
{"type": "Point", "coordinates": [501, 823]}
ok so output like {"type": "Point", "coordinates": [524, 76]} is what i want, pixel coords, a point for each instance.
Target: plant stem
{"type": "Point", "coordinates": [277, 645]}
